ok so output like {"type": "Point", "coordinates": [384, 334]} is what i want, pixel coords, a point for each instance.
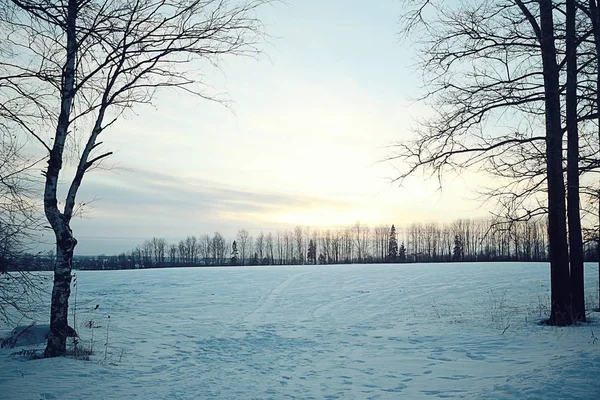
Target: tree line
{"type": "Point", "coordinates": [464, 240]}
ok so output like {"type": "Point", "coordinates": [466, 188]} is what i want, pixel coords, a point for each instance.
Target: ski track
{"type": "Point", "coordinates": [257, 315]}
{"type": "Point", "coordinates": [328, 332]}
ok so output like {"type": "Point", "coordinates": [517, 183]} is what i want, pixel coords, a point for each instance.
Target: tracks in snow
{"type": "Point", "coordinates": [256, 316]}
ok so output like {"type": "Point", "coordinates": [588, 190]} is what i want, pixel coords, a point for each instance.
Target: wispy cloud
{"type": "Point", "coordinates": [146, 203]}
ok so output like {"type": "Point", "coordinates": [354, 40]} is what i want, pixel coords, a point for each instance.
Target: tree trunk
{"type": "Point", "coordinates": [595, 17]}
{"type": "Point", "coordinates": [65, 242]}
{"type": "Point", "coordinates": [573, 211]}
{"type": "Point", "coordinates": [560, 313]}
{"type": "Point", "coordinates": [59, 328]}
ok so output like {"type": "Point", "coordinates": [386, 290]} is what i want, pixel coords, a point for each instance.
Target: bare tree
{"type": "Point", "coordinates": [20, 291]}
{"type": "Point", "coordinates": [269, 246]}
{"type": "Point", "coordinates": [205, 248]}
{"type": "Point", "coordinates": [191, 248]}
{"type": "Point", "coordinates": [299, 241]}
{"type": "Point", "coordinates": [181, 248]}
{"type": "Point", "coordinates": [172, 253]}
{"type": "Point", "coordinates": [501, 61]}
{"type": "Point", "coordinates": [325, 245]}
{"type": "Point", "coordinates": [159, 248]}
{"type": "Point", "coordinates": [288, 242]}
{"type": "Point", "coordinates": [573, 208]}
{"type": "Point", "coordinates": [357, 229]}
{"type": "Point", "coordinates": [219, 249]}
{"type": "Point", "coordinates": [259, 247]}
{"type": "Point", "coordinates": [279, 247]}
{"type": "Point", "coordinates": [592, 13]}
{"type": "Point", "coordinates": [147, 254]}
{"type": "Point", "coordinates": [244, 243]}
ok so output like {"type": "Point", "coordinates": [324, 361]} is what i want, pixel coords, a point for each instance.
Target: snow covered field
{"type": "Point", "coordinates": [326, 332]}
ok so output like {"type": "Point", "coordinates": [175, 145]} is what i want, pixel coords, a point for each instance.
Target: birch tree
{"type": "Point", "coordinates": [245, 244]}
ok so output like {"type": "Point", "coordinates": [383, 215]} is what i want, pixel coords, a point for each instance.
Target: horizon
{"type": "Point", "coordinates": [457, 226]}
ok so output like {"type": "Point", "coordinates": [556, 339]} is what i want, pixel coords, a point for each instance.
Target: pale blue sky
{"type": "Point", "coordinates": [300, 146]}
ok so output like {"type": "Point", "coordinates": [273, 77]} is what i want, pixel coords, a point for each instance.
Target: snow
{"type": "Point", "coordinates": [414, 331]}
{"type": "Point", "coordinates": [29, 334]}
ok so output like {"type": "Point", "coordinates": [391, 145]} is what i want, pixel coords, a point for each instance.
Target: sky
{"type": "Point", "coordinates": [302, 143]}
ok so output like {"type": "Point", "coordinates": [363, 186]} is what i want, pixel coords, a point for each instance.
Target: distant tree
{"type": "Point", "coordinates": [245, 241]}
{"type": "Point", "coordinates": [364, 244]}
{"type": "Point", "coordinates": [325, 243]}
{"type": "Point", "coordinates": [159, 248]}
{"type": "Point", "coordinates": [336, 247]}
{"type": "Point", "coordinates": [312, 252]}
{"type": "Point", "coordinates": [270, 249]}
{"type": "Point", "coordinates": [234, 254]}
{"type": "Point", "coordinates": [347, 245]}
{"type": "Point", "coordinates": [358, 228]}
{"type": "Point", "coordinates": [255, 260]}
{"type": "Point", "coordinates": [392, 245]}
{"type": "Point", "coordinates": [307, 236]}
{"type": "Point", "coordinates": [458, 250]}
{"type": "Point", "coordinates": [299, 239]}
{"type": "Point", "coordinates": [322, 258]}
{"type": "Point", "coordinates": [280, 248]}
{"type": "Point", "coordinates": [402, 253]}
{"type": "Point", "coordinates": [259, 245]}
{"type": "Point", "coordinates": [380, 238]}
{"type": "Point", "coordinates": [147, 254]}
{"type": "Point", "coordinates": [219, 249]}
{"type": "Point", "coordinates": [172, 253]}
{"type": "Point", "coordinates": [136, 255]}
{"type": "Point", "coordinates": [182, 252]}
{"type": "Point", "coordinates": [191, 249]}
{"type": "Point", "coordinates": [205, 249]}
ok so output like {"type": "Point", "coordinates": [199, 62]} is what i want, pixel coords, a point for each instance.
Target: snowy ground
{"type": "Point", "coordinates": [326, 332]}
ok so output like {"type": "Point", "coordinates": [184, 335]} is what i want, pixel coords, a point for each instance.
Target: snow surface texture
{"type": "Point", "coordinates": [326, 332]}
{"type": "Point", "coordinates": [29, 334]}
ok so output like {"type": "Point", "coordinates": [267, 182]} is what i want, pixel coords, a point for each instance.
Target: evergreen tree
{"type": "Point", "coordinates": [392, 245]}
{"type": "Point", "coordinates": [312, 252]}
{"type": "Point", "coordinates": [234, 254]}
{"type": "Point", "coordinates": [458, 251]}
{"type": "Point", "coordinates": [402, 253]}
{"type": "Point", "coordinates": [322, 259]}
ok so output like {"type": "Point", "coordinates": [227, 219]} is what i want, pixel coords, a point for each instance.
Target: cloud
{"type": "Point", "coordinates": [144, 203]}
{"type": "Point", "coordinates": [152, 188]}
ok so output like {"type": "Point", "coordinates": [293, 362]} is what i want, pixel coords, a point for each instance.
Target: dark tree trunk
{"type": "Point", "coordinates": [560, 313]}
{"type": "Point", "coordinates": [573, 211]}
{"type": "Point", "coordinates": [595, 17]}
